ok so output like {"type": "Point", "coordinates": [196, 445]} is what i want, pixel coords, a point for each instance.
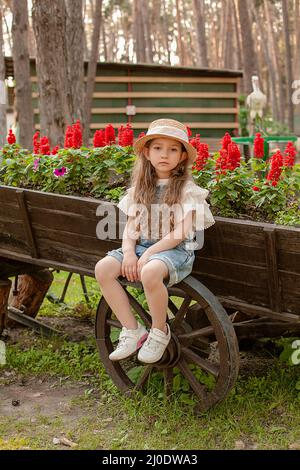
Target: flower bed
{"type": "Point", "coordinates": [258, 190]}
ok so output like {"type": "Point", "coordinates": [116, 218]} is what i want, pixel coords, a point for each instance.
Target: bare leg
{"type": "Point", "coordinates": [107, 271]}
{"type": "Point", "coordinates": [152, 276]}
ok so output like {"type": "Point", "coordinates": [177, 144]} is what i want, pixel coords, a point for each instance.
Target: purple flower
{"type": "Point", "coordinates": [60, 171]}
{"type": "Point", "coordinates": [36, 164]}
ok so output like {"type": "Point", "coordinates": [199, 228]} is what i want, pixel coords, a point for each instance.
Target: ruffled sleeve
{"type": "Point", "coordinates": [194, 199]}
{"type": "Point", "coordinates": [126, 204]}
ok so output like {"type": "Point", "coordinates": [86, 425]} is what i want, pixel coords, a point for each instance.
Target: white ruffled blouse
{"type": "Point", "coordinates": [193, 198]}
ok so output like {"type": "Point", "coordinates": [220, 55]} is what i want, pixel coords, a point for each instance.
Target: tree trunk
{"type": "Point", "coordinates": [237, 36]}
{"type": "Point", "coordinates": [139, 33]}
{"type": "Point", "coordinates": [200, 31]}
{"type": "Point", "coordinates": [274, 57]}
{"type": "Point", "coordinates": [147, 30]}
{"type": "Point", "coordinates": [288, 60]}
{"type": "Point", "coordinates": [229, 52]}
{"type": "Point", "coordinates": [23, 88]}
{"type": "Point", "coordinates": [31, 293]}
{"type": "Point", "coordinates": [297, 41]}
{"type": "Point", "coordinates": [165, 18]}
{"type": "Point", "coordinates": [4, 294]}
{"type": "Point", "coordinates": [75, 62]}
{"type": "Point", "coordinates": [180, 46]}
{"type": "Point", "coordinates": [92, 70]}
{"type": "Point", "coordinates": [3, 128]}
{"type": "Point", "coordinates": [268, 60]}
{"type": "Point", "coordinates": [250, 67]}
{"type": "Point", "coordinates": [49, 22]}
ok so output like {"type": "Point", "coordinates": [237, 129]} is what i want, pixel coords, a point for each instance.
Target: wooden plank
{"type": "Point", "coordinates": [162, 110]}
{"type": "Point", "coordinates": [158, 94]}
{"type": "Point", "coordinates": [272, 266]}
{"type": "Point", "coordinates": [257, 310]}
{"type": "Point", "coordinates": [159, 79]}
{"type": "Point", "coordinates": [27, 224]}
{"type": "Point", "coordinates": [192, 125]}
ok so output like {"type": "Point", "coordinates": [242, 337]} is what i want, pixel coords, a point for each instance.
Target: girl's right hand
{"type": "Point", "coordinates": [129, 267]}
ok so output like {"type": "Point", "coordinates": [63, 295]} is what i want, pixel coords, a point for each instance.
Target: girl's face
{"type": "Point", "coordinates": [164, 155]}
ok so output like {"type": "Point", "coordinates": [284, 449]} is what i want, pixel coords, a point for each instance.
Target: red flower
{"type": "Point", "coordinates": [234, 156]}
{"type": "Point", "coordinates": [258, 146]}
{"type": "Point", "coordinates": [44, 146]}
{"type": "Point", "coordinates": [195, 142]}
{"type": "Point", "coordinates": [276, 167]}
{"type": "Point", "coordinates": [274, 183]}
{"type": "Point", "coordinates": [189, 131]}
{"type": "Point", "coordinates": [141, 135]}
{"type": "Point", "coordinates": [68, 137]}
{"type": "Point", "coordinates": [255, 188]}
{"type": "Point", "coordinates": [36, 143]}
{"type": "Point", "coordinates": [11, 138]}
{"type": "Point", "coordinates": [99, 139]}
{"type": "Point", "coordinates": [290, 153]}
{"type": "Point", "coordinates": [202, 157]}
{"type": "Point", "coordinates": [110, 136]}
{"type": "Point", "coordinates": [221, 162]}
{"type": "Point", "coordinates": [126, 135]}
{"type": "Point", "coordinates": [55, 150]}
{"type": "Point", "coordinates": [77, 135]}
{"type": "Point", "coordinates": [226, 141]}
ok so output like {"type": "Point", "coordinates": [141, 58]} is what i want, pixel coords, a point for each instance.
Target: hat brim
{"type": "Point", "coordinates": [141, 142]}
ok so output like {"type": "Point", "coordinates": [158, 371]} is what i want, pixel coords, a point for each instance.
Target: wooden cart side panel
{"type": "Point", "coordinates": [12, 231]}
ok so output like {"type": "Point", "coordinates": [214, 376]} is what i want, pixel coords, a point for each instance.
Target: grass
{"type": "Point", "coordinates": [261, 411]}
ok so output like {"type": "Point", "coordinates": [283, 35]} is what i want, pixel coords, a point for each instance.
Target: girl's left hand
{"type": "Point", "coordinates": [141, 263]}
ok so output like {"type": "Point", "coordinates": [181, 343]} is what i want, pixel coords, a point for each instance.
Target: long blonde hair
{"type": "Point", "coordinates": [144, 179]}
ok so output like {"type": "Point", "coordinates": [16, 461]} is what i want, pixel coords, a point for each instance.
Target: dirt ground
{"type": "Point", "coordinates": [24, 397]}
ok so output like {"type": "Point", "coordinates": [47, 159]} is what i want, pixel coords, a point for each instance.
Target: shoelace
{"type": "Point", "coordinates": [151, 344]}
{"type": "Point", "coordinates": [122, 341]}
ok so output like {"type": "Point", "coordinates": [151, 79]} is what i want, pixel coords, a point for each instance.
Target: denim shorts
{"type": "Point", "coordinates": [179, 260]}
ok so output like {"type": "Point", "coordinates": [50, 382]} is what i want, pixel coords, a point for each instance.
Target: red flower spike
{"type": "Point", "coordinates": [55, 150]}
{"type": "Point", "coordinates": [276, 167]}
{"type": "Point", "coordinates": [258, 146]}
{"type": "Point", "coordinates": [44, 146]}
{"type": "Point", "coordinates": [255, 188]}
{"type": "Point", "coordinates": [226, 141]}
{"type": "Point", "coordinates": [110, 136]}
{"type": "Point", "coordinates": [36, 143]}
{"type": "Point", "coordinates": [290, 153]}
{"type": "Point", "coordinates": [77, 135]}
{"type": "Point", "coordinates": [11, 138]}
{"type": "Point", "coordinates": [189, 131]}
{"type": "Point", "coordinates": [99, 139]}
{"type": "Point", "coordinates": [68, 137]}
{"type": "Point", "coordinates": [234, 156]}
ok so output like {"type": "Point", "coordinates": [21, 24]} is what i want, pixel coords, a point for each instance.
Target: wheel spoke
{"type": "Point", "coordinates": [114, 323]}
{"type": "Point", "coordinates": [172, 307]}
{"type": "Point", "coordinates": [168, 381]}
{"type": "Point", "coordinates": [198, 388]}
{"type": "Point", "coordinates": [204, 364]}
{"type": "Point", "coordinates": [144, 377]}
{"type": "Point", "coordinates": [181, 312]}
{"type": "Point", "coordinates": [207, 331]}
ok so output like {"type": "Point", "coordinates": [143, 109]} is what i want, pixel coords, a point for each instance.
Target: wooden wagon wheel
{"type": "Point", "coordinates": [208, 357]}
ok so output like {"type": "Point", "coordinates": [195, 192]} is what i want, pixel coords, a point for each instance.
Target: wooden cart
{"type": "Point", "coordinates": [245, 267]}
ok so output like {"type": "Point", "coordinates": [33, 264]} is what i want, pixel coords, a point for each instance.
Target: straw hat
{"type": "Point", "coordinates": [167, 128]}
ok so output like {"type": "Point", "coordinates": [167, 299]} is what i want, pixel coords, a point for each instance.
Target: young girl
{"type": "Point", "coordinates": [161, 178]}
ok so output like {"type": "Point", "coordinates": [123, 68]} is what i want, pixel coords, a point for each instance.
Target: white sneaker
{"type": "Point", "coordinates": [129, 342]}
{"type": "Point", "coordinates": [155, 346]}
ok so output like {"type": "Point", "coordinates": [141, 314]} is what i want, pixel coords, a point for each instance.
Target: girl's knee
{"type": "Point", "coordinates": [151, 275]}
{"type": "Point", "coordinates": [107, 268]}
